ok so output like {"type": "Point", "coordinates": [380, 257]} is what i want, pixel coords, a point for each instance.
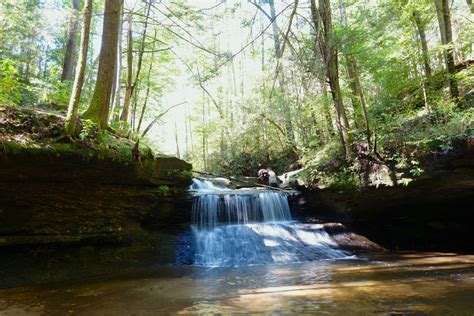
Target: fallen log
{"type": "Point", "coordinates": [240, 180]}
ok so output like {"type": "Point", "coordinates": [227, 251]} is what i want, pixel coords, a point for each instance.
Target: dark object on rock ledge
{"type": "Point", "coordinates": [268, 177]}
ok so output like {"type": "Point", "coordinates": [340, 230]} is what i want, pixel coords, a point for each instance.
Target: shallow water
{"type": "Point", "coordinates": [385, 284]}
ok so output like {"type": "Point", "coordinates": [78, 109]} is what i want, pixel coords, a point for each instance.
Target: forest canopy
{"type": "Point", "coordinates": [235, 85]}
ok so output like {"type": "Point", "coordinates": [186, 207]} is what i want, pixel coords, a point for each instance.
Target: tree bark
{"type": "Point", "coordinates": [71, 43]}
{"type": "Point", "coordinates": [444, 20]}
{"type": "Point", "coordinates": [70, 124]}
{"type": "Point", "coordinates": [98, 110]}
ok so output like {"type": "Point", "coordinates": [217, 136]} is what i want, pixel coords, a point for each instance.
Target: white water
{"type": "Point", "coordinates": [244, 227]}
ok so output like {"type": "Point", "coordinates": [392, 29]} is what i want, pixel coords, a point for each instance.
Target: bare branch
{"type": "Point", "coordinates": [147, 129]}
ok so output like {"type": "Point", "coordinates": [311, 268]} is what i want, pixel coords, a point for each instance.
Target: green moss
{"type": "Point", "coordinates": [186, 174]}
{"type": "Point", "coordinates": [31, 132]}
{"type": "Point", "coordinates": [164, 190]}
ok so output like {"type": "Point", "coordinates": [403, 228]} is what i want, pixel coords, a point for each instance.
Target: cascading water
{"type": "Point", "coordinates": [253, 226]}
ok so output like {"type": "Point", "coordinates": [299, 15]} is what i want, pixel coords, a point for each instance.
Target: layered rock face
{"type": "Point", "coordinates": [64, 217]}
{"type": "Point", "coordinates": [433, 212]}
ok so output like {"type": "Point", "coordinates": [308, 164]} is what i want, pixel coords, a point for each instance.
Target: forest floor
{"type": "Point", "coordinates": [407, 143]}
{"type": "Point", "coordinates": [27, 130]}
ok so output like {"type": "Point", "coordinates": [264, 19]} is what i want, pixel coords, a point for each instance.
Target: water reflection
{"type": "Point", "coordinates": [410, 283]}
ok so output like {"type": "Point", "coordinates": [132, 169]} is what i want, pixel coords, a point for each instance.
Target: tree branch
{"type": "Point", "coordinates": [147, 129]}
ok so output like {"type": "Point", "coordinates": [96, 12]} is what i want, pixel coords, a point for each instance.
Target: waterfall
{"type": "Point", "coordinates": [252, 226]}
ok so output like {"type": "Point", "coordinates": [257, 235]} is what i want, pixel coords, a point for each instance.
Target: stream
{"type": "Point", "coordinates": [250, 256]}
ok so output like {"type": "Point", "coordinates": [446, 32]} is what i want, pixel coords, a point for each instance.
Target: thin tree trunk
{"type": "Point", "coordinates": [98, 110]}
{"type": "Point", "coordinates": [118, 68]}
{"type": "Point", "coordinates": [204, 156]}
{"type": "Point", "coordinates": [136, 93]}
{"type": "Point", "coordinates": [444, 20]}
{"type": "Point", "coordinates": [276, 34]}
{"type": "Point", "coordinates": [70, 125]}
{"type": "Point", "coordinates": [126, 106]}
{"type": "Point", "coordinates": [281, 81]}
{"type": "Point", "coordinates": [470, 5]}
{"type": "Point", "coordinates": [178, 153]}
{"type": "Point", "coordinates": [424, 44]}
{"type": "Point", "coordinates": [147, 93]}
{"type": "Point", "coordinates": [67, 72]}
{"type": "Point", "coordinates": [129, 84]}
{"type": "Point", "coordinates": [186, 132]}
{"type": "Point", "coordinates": [44, 72]}
{"type": "Point", "coordinates": [363, 104]}
{"type": "Point", "coordinates": [28, 59]}
{"type": "Point", "coordinates": [145, 101]}
{"type": "Point", "coordinates": [322, 17]}
{"type": "Point", "coordinates": [89, 81]}
{"type": "Point", "coordinates": [356, 107]}
{"type": "Point", "coordinates": [326, 110]}
{"type": "Point", "coordinates": [190, 134]}
{"type": "Point", "coordinates": [356, 87]}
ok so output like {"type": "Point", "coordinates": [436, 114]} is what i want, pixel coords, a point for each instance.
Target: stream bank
{"type": "Point", "coordinates": [74, 210]}
{"type": "Point", "coordinates": [433, 212]}
{"type": "Point", "coordinates": [62, 217]}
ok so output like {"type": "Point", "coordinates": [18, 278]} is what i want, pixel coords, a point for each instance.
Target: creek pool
{"type": "Point", "coordinates": [405, 283]}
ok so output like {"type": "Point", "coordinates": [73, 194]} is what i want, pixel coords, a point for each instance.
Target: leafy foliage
{"type": "Point", "coordinates": [248, 107]}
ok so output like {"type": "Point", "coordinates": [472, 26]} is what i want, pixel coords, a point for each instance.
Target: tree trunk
{"type": "Point", "coordinates": [71, 43]}
{"type": "Point", "coordinates": [444, 20]}
{"type": "Point", "coordinates": [326, 109]}
{"type": "Point", "coordinates": [204, 140]}
{"type": "Point", "coordinates": [360, 93]}
{"type": "Point", "coordinates": [118, 83]}
{"type": "Point", "coordinates": [178, 153]}
{"type": "Point", "coordinates": [118, 68]}
{"type": "Point", "coordinates": [281, 81]}
{"type": "Point", "coordinates": [424, 45]}
{"type": "Point", "coordinates": [136, 93]}
{"type": "Point", "coordinates": [133, 85]}
{"type": "Point", "coordinates": [358, 98]}
{"type": "Point", "coordinates": [98, 110]}
{"type": "Point", "coordinates": [470, 5]}
{"type": "Point", "coordinates": [357, 112]}
{"type": "Point", "coordinates": [70, 125]}
{"type": "Point", "coordinates": [148, 87]}
{"type": "Point", "coordinates": [276, 34]}
{"type": "Point", "coordinates": [129, 84]}
{"type": "Point", "coordinates": [322, 17]}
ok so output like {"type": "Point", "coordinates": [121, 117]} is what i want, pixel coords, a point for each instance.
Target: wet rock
{"type": "Point", "coordinates": [292, 179]}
